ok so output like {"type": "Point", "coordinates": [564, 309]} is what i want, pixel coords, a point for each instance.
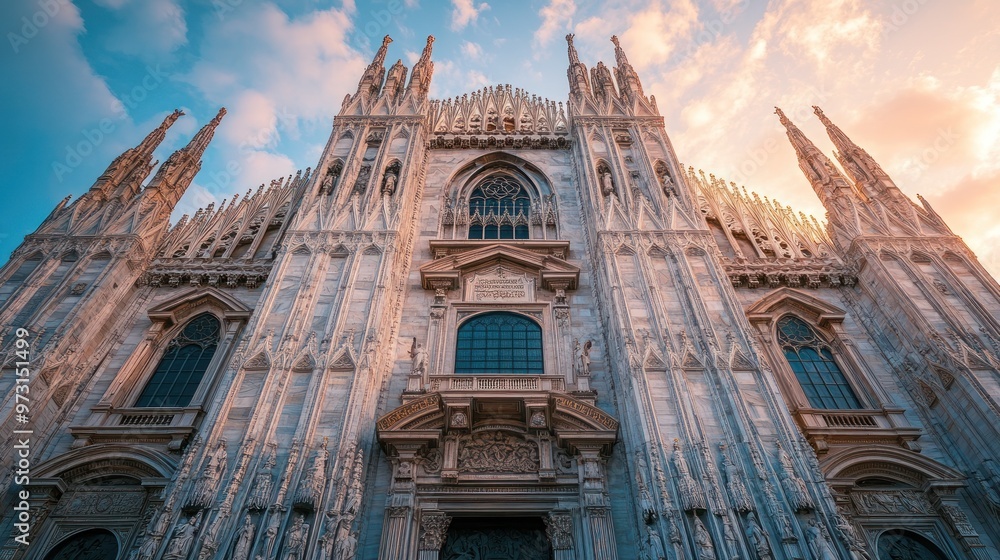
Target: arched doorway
{"type": "Point", "coordinates": [899, 544]}
{"type": "Point", "coordinates": [92, 544]}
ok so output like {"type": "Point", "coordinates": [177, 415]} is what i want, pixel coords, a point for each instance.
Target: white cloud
{"type": "Point", "coordinates": [145, 29]}
{"type": "Point", "coordinates": [471, 50]}
{"type": "Point", "coordinates": [556, 16]}
{"type": "Point", "coordinates": [275, 74]}
{"type": "Point", "coordinates": [465, 12]}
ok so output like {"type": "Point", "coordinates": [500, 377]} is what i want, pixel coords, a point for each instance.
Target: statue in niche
{"type": "Point", "coordinates": [583, 358]}
{"type": "Point", "coordinates": [706, 549]}
{"type": "Point", "coordinates": [818, 543]}
{"type": "Point", "coordinates": [208, 484]}
{"type": "Point", "coordinates": [757, 538]}
{"type": "Point", "coordinates": [491, 120]}
{"type": "Point", "coordinates": [182, 541]}
{"type": "Point", "coordinates": [295, 539]}
{"type": "Point", "coordinates": [418, 355]}
{"type": "Point", "coordinates": [347, 545]}
{"type": "Point", "coordinates": [607, 183]}
{"type": "Point", "coordinates": [245, 540]}
{"type": "Point", "coordinates": [389, 182]}
{"type": "Point", "coordinates": [271, 534]}
{"type": "Point", "coordinates": [655, 543]}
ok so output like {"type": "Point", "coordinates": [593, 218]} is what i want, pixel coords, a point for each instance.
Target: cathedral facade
{"type": "Point", "coordinates": [498, 327]}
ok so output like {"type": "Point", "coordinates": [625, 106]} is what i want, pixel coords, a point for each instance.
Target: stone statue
{"type": "Point", "coordinates": [208, 484]}
{"type": "Point", "coordinates": [245, 540]}
{"type": "Point", "coordinates": [706, 549]}
{"type": "Point", "coordinates": [585, 358]}
{"type": "Point", "coordinates": [271, 534]}
{"type": "Point", "coordinates": [182, 541]}
{"type": "Point", "coordinates": [607, 183]}
{"type": "Point", "coordinates": [419, 356]}
{"type": "Point", "coordinates": [757, 539]}
{"type": "Point", "coordinates": [818, 544]}
{"type": "Point", "coordinates": [655, 543]}
{"type": "Point", "coordinates": [295, 539]}
{"type": "Point", "coordinates": [347, 545]}
{"type": "Point", "coordinates": [389, 184]}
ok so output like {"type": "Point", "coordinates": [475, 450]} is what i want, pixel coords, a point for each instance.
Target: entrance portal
{"type": "Point", "coordinates": [496, 538]}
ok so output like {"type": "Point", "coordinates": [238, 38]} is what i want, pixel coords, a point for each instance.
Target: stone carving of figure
{"type": "Point", "coordinates": [182, 541]}
{"type": "Point", "coordinates": [585, 358]}
{"type": "Point", "coordinates": [418, 354]}
{"type": "Point", "coordinates": [245, 540]}
{"type": "Point", "coordinates": [757, 539]}
{"type": "Point", "coordinates": [208, 484]}
{"type": "Point", "coordinates": [793, 485]}
{"type": "Point", "coordinates": [706, 549]}
{"type": "Point", "coordinates": [738, 494]}
{"type": "Point", "coordinates": [260, 494]}
{"type": "Point", "coordinates": [353, 503]}
{"type": "Point", "coordinates": [271, 534]}
{"type": "Point", "coordinates": [362, 181]}
{"type": "Point", "coordinates": [347, 545]}
{"type": "Point", "coordinates": [607, 183]}
{"type": "Point", "coordinates": [295, 539]}
{"type": "Point", "coordinates": [818, 544]}
{"type": "Point", "coordinates": [655, 543]}
{"type": "Point", "coordinates": [389, 184]}
{"type": "Point", "coordinates": [491, 121]}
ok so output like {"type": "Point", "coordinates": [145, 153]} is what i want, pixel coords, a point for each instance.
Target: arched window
{"type": "Point", "coordinates": [810, 358]}
{"type": "Point", "coordinates": [499, 342]}
{"type": "Point", "coordinates": [498, 209]}
{"type": "Point", "coordinates": [183, 364]}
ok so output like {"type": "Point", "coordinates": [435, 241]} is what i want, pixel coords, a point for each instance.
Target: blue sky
{"type": "Point", "coordinates": [916, 82]}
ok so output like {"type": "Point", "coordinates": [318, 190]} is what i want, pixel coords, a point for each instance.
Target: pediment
{"type": "Point", "coordinates": [552, 272]}
{"type": "Point", "coordinates": [181, 305]}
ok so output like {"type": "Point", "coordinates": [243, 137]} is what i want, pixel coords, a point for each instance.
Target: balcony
{"type": "Point", "coordinates": [824, 427]}
{"type": "Point", "coordinates": [459, 383]}
{"type": "Point", "coordinates": [170, 426]}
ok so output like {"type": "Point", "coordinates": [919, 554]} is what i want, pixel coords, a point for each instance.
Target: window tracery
{"type": "Point", "coordinates": [499, 208]}
{"type": "Point", "coordinates": [811, 359]}
{"type": "Point", "coordinates": [183, 364]}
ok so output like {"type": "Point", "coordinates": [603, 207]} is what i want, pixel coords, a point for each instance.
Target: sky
{"type": "Point", "coordinates": [915, 82]}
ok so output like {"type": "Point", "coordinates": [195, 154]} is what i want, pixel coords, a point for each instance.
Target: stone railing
{"type": "Point", "coordinates": [517, 383]}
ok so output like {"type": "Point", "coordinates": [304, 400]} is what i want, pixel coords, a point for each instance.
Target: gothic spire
{"type": "Point", "coordinates": [371, 80]}
{"type": "Point", "coordinates": [180, 168]}
{"type": "Point", "coordinates": [628, 79]}
{"type": "Point", "coordinates": [423, 70]}
{"type": "Point", "coordinates": [861, 167]}
{"type": "Point", "coordinates": [577, 71]}
{"type": "Point", "coordinates": [123, 177]}
{"type": "Point", "coordinates": [832, 188]}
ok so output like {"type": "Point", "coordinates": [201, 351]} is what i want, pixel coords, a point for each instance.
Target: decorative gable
{"type": "Point", "coordinates": [502, 260]}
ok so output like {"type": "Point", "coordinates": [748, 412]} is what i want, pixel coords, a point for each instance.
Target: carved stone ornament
{"type": "Point", "coordinates": [496, 451]}
{"type": "Point", "coordinates": [433, 530]}
{"type": "Point", "coordinates": [559, 529]}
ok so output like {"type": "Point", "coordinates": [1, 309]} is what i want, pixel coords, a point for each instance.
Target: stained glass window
{"type": "Point", "coordinates": [810, 358]}
{"type": "Point", "coordinates": [499, 209]}
{"type": "Point", "coordinates": [499, 343]}
{"type": "Point", "coordinates": [183, 364]}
